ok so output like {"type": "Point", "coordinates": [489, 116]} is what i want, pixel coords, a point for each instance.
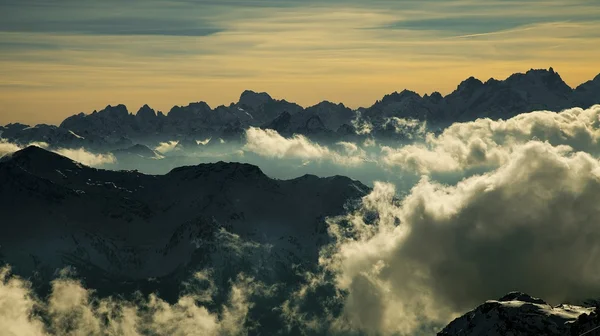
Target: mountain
{"type": "Point", "coordinates": [519, 314]}
{"type": "Point", "coordinates": [136, 150]}
{"type": "Point", "coordinates": [124, 227]}
{"type": "Point", "coordinates": [114, 127]}
{"type": "Point", "coordinates": [533, 90]}
{"type": "Point", "coordinates": [587, 93]}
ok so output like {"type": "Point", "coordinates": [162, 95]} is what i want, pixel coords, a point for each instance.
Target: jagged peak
{"type": "Point", "coordinates": [434, 96]}
{"type": "Point", "coordinates": [192, 109]}
{"type": "Point", "coordinates": [535, 73]}
{"type": "Point", "coordinates": [146, 111]}
{"type": "Point", "coordinates": [200, 105]}
{"type": "Point", "coordinates": [326, 104]}
{"type": "Point", "coordinates": [520, 296]}
{"type": "Point", "coordinates": [469, 83]}
{"type": "Point", "coordinates": [399, 96]}
{"type": "Point", "coordinates": [118, 111]}
{"type": "Point", "coordinates": [254, 99]}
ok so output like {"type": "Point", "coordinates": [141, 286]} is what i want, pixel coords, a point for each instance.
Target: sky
{"type": "Point", "coordinates": [61, 57]}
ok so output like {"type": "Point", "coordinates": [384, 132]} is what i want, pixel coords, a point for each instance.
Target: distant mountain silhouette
{"type": "Point", "coordinates": [115, 127]}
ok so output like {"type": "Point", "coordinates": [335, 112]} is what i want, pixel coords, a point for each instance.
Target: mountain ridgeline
{"type": "Point", "coordinates": [116, 127]}
{"type": "Point", "coordinates": [124, 231]}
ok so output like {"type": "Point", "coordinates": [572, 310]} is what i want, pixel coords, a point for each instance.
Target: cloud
{"type": "Point", "coordinates": [165, 147]}
{"type": "Point", "coordinates": [409, 266]}
{"type": "Point", "coordinates": [487, 144]}
{"type": "Point", "coordinates": [71, 309]}
{"type": "Point", "coordinates": [7, 147]}
{"type": "Point", "coordinates": [16, 307]}
{"type": "Point", "coordinates": [412, 128]}
{"type": "Point", "coordinates": [203, 142]}
{"type": "Point", "coordinates": [80, 155]}
{"type": "Point", "coordinates": [361, 125]}
{"type": "Point", "coordinates": [269, 143]}
{"type": "Point", "coordinates": [85, 157]}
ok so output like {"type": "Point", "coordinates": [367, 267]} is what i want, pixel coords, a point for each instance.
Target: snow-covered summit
{"type": "Point", "coordinates": [519, 314]}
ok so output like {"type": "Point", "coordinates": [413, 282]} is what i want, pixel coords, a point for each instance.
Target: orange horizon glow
{"type": "Point", "coordinates": [348, 52]}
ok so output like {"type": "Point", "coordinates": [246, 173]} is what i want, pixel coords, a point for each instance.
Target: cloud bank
{"type": "Point", "coordinates": [410, 266]}
{"type": "Point", "coordinates": [80, 154]}
{"type": "Point", "coordinates": [85, 157]}
{"type": "Point", "coordinates": [269, 143]}
{"type": "Point", "coordinates": [487, 144]}
{"type": "Point", "coordinates": [70, 309]}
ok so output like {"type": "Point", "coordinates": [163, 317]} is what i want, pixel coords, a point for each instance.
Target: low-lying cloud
{"type": "Point", "coordinates": [269, 143]}
{"type": "Point", "coordinates": [80, 154]}
{"type": "Point", "coordinates": [487, 144]}
{"type": "Point", "coordinates": [85, 157]}
{"type": "Point", "coordinates": [413, 129]}
{"type": "Point", "coordinates": [71, 309]}
{"type": "Point", "coordinates": [7, 147]}
{"type": "Point", "coordinates": [410, 266]}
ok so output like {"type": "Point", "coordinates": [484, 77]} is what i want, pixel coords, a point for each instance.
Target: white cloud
{"type": "Point", "coordinates": [269, 143]}
{"type": "Point", "coordinates": [165, 147]}
{"type": "Point", "coordinates": [16, 305]}
{"type": "Point", "coordinates": [80, 155]}
{"type": "Point", "coordinates": [485, 143]}
{"type": "Point", "coordinates": [361, 125]}
{"type": "Point", "coordinates": [203, 142]}
{"type": "Point", "coordinates": [369, 142]}
{"type": "Point", "coordinates": [411, 128]}
{"type": "Point", "coordinates": [529, 226]}
{"type": "Point", "coordinates": [71, 309]}
{"type": "Point", "coordinates": [7, 147]}
{"type": "Point", "coordinates": [85, 157]}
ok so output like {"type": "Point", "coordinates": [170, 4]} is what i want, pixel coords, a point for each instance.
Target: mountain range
{"type": "Point", "coordinates": [127, 227]}
{"type": "Point", "coordinates": [115, 127]}
{"type": "Point", "coordinates": [123, 231]}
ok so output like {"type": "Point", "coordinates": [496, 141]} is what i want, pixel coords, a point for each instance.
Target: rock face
{"type": "Point", "coordinates": [125, 226]}
{"type": "Point", "coordinates": [114, 127]}
{"type": "Point", "coordinates": [518, 314]}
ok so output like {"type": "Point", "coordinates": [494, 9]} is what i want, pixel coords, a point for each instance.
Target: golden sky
{"type": "Point", "coordinates": [63, 57]}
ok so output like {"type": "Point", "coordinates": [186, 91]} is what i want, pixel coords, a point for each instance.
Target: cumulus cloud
{"type": "Point", "coordinates": [16, 307]}
{"type": "Point", "coordinates": [269, 143]}
{"type": "Point", "coordinates": [409, 266]}
{"type": "Point", "coordinates": [165, 147]}
{"type": "Point", "coordinates": [486, 143]}
{"type": "Point", "coordinates": [71, 309]}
